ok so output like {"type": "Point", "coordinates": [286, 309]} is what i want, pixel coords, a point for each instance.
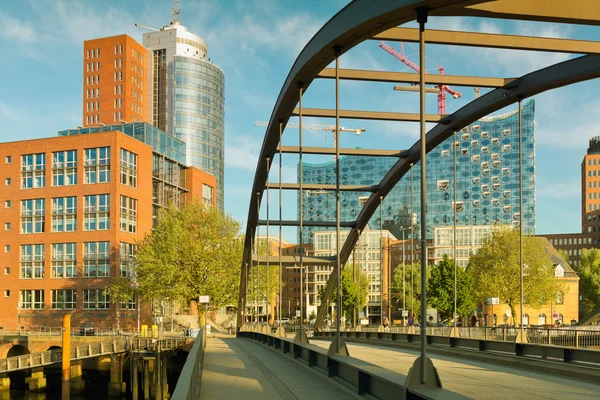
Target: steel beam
{"type": "Point", "coordinates": [317, 187]}
{"type": "Point", "coordinates": [358, 114]}
{"type": "Point", "coordinates": [344, 152]}
{"type": "Point", "coordinates": [494, 41]}
{"type": "Point", "coordinates": [347, 224]}
{"type": "Point", "coordinates": [413, 77]}
{"type": "Point", "coordinates": [415, 88]}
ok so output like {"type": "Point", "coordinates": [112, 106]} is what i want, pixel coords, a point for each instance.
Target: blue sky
{"type": "Point", "coordinates": [255, 43]}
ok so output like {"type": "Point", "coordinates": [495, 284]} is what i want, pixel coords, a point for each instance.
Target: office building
{"type": "Point", "coordinates": [115, 71]}
{"type": "Point", "coordinates": [186, 97]}
{"type": "Point", "coordinates": [487, 181]}
{"type": "Point", "coordinates": [72, 208]}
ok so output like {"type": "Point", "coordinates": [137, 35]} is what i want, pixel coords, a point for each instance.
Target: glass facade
{"type": "Point", "coordinates": [199, 113]}
{"type": "Point", "coordinates": [487, 187]}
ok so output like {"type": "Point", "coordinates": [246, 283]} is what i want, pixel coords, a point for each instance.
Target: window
{"type": "Point", "coordinates": [64, 167]}
{"type": "Point", "coordinates": [128, 168]}
{"type": "Point", "coordinates": [96, 260]}
{"type": "Point", "coordinates": [64, 299]}
{"type": "Point", "coordinates": [97, 165]}
{"type": "Point", "coordinates": [7, 293]}
{"type": "Point", "coordinates": [96, 299]}
{"type": "Point", "coordinates": [64, 214]}
{"type": "Point", "coordinates": [7, 226]}
{"type": "Point", "coordinates": [128, 214]}
{"type": "Point", "coordinates": [64, 263]}
{"type": "Point", "coordinates": [33, 171]}
{"type": "Point", "coordinates": [32, 261]}
{"type": "Point", "coordinates": [120, 49]}
{"type": "Point", "coordinates": [7, 248]}
{"type": "Point", "coordinates": [32, 216]}
{"type": "Point", "coordinates": [32, 299]}
{"type": "Point", "coordinates": [129, 304]}
{"type": "Point", "coordinates": [97, 212]}
{"type": "Point", "coordinates": [8, 159]}
{"type": "Point", "coordinates": [6, 270]}
{"type": "Point", "coordinates": [7, 181]}
{"type": "Point", "coordinates": [207, 195]}
{"type": "Point", "coordinates": [127, 259]}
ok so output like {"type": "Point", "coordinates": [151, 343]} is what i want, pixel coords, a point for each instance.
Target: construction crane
{"type": "Point", "coordinates": [441, 89]}
{"type": "Point", "coordinates": [315, 127]}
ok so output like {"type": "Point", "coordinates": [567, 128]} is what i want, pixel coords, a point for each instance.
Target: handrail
{"type": "Point", "coordinates": [87, 350]}
{"type": "Point", "coordinates": [188, 384]}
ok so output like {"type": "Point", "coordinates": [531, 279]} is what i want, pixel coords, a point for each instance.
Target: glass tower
{"type": "Point", "coordinates": [187, 97]}
{"type": "Point", "coordinates": [487, 184]}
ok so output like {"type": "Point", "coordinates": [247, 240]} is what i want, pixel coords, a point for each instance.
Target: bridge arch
{"type": "Point", "coordinates": [17, 350]}
{"type": "Point", "coordinates": [361, 20]}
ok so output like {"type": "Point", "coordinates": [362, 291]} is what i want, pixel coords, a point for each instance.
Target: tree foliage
{"type": "Point", "coordinates": [191, 252]}
{"type": "Point", "coordinates": [413, 292]}
{"type": "Point", "coordinates": [495, 270]}
{"type": "Point", "coordinates": [121, 290]}
{"type": "Point", "coordinates": [354, 293]}
{"type": "Point", "coordinates": [440, 289]}
{"type": "Point", "coordinates": [589, 280]}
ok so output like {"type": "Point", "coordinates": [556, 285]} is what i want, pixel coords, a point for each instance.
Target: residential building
{"type": "Point", "coordinates": [564, 308]}
{"type": "Point", "coordinates": [115, 71]}
{"type": "Point", "coordinates": [487, 185]}
{"type": "Point", "coordinates": [186, 97]}
{"type": "Point", "coordinates": [72, 208]}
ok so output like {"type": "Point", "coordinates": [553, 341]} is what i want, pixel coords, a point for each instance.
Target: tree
{"type": "Point", "coordinates": [191, 252]}
{"type": "Point", "coordinates": [121, 290]}
{"type": "Point", "coordinates": [495, 270]}
{"type": "Point", "coordinates": [353, 295]}
{"type": "Point", "coordinates": [413, 297]}
{"type": "Point", "coordinates": [440, 289]}
{"type": "Point", "coordinates": [589, 280]}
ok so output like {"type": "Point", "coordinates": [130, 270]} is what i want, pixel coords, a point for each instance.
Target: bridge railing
{"type": "Point", "coordinates": [87, 350]}
{"type": "Point", "coordinates": [564, 337]}
{"type": "Point", "coordinates": [188, 384]}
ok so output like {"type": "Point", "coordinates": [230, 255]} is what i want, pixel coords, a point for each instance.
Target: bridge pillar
{"type": "Point", "coordinates": [37, 380]}
{"type": "Point", "coordinates": [116, 386]}
{"type": "Point", "coordinates": [4, 384]}
{"type": "Point", "coordinates": [164, 385]}
{"type": "Point", "coordinates": [77, 382]}
{"type": "Point", "coordinates": [134, 378]}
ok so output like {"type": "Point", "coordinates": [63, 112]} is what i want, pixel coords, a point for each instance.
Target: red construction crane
{"type": "Point", "coordinates": [442, 89]}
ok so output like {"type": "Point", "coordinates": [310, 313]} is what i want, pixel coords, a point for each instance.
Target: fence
{"type": "Point", "coordinates": [188, 384]}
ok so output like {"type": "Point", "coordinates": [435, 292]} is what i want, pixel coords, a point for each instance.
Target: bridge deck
{"type": "Point", "coordinates": [477, 380]}
{"type": "Point", "coordinates": [242, 369]}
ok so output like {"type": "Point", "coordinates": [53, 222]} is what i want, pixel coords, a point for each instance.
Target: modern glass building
{"type": "Point", "coordinates": [187, 97]}
{"type": "Point", "coordinates": [487, 181]}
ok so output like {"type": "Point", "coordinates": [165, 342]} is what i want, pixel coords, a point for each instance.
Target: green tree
{"type": "Point", "coordinates": [563, 254]}
{"type": "Point", "coordinates": [191, 252]}
{"type": "Point", "coordinates": [589, 280]}
{"type": "Point", "coordinates": [440, 289]}
{"type": "Point", "coordinates": [495, 270]}
{"type": "Point", "coordinates": [121, 290]}
{"type": "Point", "coordinates": [261, 291]}
{"type": "Point", "coordinates": [353, 295]}
{"type": "Point", "coordinates": [413, 292]}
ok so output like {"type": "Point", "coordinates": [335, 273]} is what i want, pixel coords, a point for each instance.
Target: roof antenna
{"type": "Point", "coordinates": [176, 12]}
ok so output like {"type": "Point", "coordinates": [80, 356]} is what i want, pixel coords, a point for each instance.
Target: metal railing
{"type": "Point", "coordinates": [188, 384]}
{"type": "Point", "coordinates": [564, 337]}
{"type": "Point", "coordinates": [92, 349]}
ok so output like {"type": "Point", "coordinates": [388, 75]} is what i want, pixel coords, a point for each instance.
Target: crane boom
{"type": "Point", "coordinates": [399, 56]}
{"type": "Point", "coordinates": [314, 127]}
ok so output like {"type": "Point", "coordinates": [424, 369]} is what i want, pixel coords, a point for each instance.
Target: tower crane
{"type": "Point", "coordinates": [315, 127]}
{"type": "Point", "coordinates": [442, 89]}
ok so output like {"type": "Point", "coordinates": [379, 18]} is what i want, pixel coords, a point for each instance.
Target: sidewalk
{"type": "Point", "coordinates": [241, 369]}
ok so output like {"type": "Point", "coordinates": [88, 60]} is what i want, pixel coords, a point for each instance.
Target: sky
{"type": "Point", "coordinates": [256, 42]}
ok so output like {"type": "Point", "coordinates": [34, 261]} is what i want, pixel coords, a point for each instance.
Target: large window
{"type": "Point", "coordinates": [96, 299]}
{"type": "Point", "coordinates": [32, 261]}
{"type": "Point", "coordinates": [64, 299]}
{"type": "Point", "coordinates": [128, 214]}
{"type": "Point", "coordinates": [127, 259]}
{"type": "Point", "coordinates": [32, 299]}
{"type": "Point", "coordinates": [128, 168]}
{"type": "Point", "coordinates": [32, 216]}
{"type": "Point", "coordinates": [129, 304]}
{"type": "Point", "coordinates": [207, 195]}
{"type": "Point", "coordinates": [33, 171]}
{"type": "Point", "coordinates": [97, 212]}
{"type": "Point", "coordinates": [97, 165]}
{"type": "Point", "coordinates": [64, 264]}
{"type": "Point", "coordinates": [64, 168]}
{"type": "Point", "coordinates": [64, 214]}
{"type": "Point", "coordinates": [96, 260]}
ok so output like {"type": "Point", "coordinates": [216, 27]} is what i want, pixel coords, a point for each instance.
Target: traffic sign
{"type": "Point", "coordinates": [493, 300]}
{"type": "Point", "coordinates": [204, 299]}
{"type": "Point", "coordinates": [405, 313]}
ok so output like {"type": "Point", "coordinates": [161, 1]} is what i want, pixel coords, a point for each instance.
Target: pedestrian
{"type": "Point", "coordinates": [411, 320]}
{"type": "Point", "coordinates": [386, 325]}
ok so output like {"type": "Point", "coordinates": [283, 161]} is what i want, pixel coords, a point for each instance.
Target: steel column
{"type": "Point", "coordinates": [268, 248]}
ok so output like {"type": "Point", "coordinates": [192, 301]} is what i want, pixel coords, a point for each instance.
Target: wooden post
{"type": "Point", "coordinates": [134, 378]}
{"type": "Point", "coordinates": [66, 357]}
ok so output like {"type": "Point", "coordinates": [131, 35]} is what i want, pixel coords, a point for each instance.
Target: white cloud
{"type": "Point", "coordinates": [15, 29]}
{"type": "Point", "coordinates": [559, 190]}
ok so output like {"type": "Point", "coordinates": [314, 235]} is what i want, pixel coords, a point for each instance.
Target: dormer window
{"type": "Point", "coordinates": [465, 136]}
{"type": "Point", "coordinates": [506, 147]}
{"type": "Point", "coordinates": [496, 186]}
{"type": "Point", "coordinates": [475, 128]}
{"type": "Point", "coordinates": [495, 141]}
{"type": "Point", "coordinates": [485, 149]}
{"type": "Point", "coordinates": [495, 179]}
{"type": "Point", "coordinates": [495, 156]}
{"type": "Point", "coordinates": [559, 271]}
{"type": "Point", "coordinates": [485, 164]}
{"type": "Point", "coordinates": [474, 143]}
{"type": "Point", "coordinates": [485, 172]}
{"type": "Point", "coordinates": [495, 202]}
{"type": "Point", "coordinates": [465, 152]}
{"type": "Point", "coordinates": [484, 135]}
{"type": "Point", "coordinates": [506, 193]}
{"type": "Point", "coordinates": [507, 209]}
{"type": "Point", "coordinates": [475, 181]}
{"type": "Point", "coordinates": [506, 132]}
{"type": "Point", "coordinates": [465, 129]}
{"type": "Point", "coordinates": [486, 195]}
{"type": "Point", "coordinates": [475, 158]}
{"type": "Point", "coordinates": [485, 187]}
